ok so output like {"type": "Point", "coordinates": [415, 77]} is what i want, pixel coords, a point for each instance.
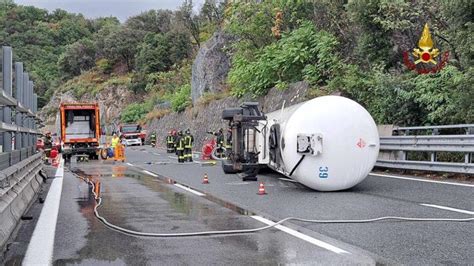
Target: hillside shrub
{"type": "Point", "coordinates": [181, 98]}
{"type": "Point", "coordinates": [301, 54]}
{"type": "Point", "coordinates": [135, 112]}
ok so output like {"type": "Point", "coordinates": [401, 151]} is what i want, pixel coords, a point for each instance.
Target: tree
{"type": "Point", "coordinates": [190, 20]}
{"type": "Point", "coordinates": [153, 54]}
{"type": "Point", "coordinates": [213, 11]}
{"type": "Point", "coordinates": [159, 52]}
{"type": "Point", "coordinates": [157, 21]}
{"type": "Point", "coordinates": [181, 47]}
{"type": "Point", "coordinates": [122, 44]}
{"type": "Point", "coordinates": [78, 57]}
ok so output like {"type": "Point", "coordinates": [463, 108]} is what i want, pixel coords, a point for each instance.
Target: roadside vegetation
{"type": "Point", "coordinates": [355, 49]}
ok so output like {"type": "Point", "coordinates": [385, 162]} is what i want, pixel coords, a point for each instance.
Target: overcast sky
{"type": "Point", "coordinates": [122, 9]}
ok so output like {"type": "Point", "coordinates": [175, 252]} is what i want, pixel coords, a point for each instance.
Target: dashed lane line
{"type": "Point", "coordinates": [190, 190]}
{"type": "Point", "coordinates": [302, 236]}
{"type": "Point", "coordinates": [149, 173]}
{"type": "Point", "coordinates": [288, 180]}
{"type": "Point", "coordinates": [448, 208]}
{"type": "Point", "coordinates": [422, 180]}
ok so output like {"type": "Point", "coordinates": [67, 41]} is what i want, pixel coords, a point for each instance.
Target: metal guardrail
{"type": "Point", "coordinates": [19, 184]}
{"type": "Point", "coordinates": [398, 146]}
{"type": "Point", "coordinates": [19, 163]}
{"type": "Point", "coordinates": [18, 121]}
{"type": "Point", "coordinates": [448, 167]}
{"type": "Point", "coordinates": [465, 126]}
{"type": "Point", "coordinates": [448, 143]}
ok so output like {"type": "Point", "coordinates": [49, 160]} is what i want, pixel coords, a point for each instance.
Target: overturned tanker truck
{"type": "Point", "coordinates": [328, 143]}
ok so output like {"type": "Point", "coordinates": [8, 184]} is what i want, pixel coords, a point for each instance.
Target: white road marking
{"type": "Point", "coordinates": [149, 173]}
{"type": "Point", "coordinates": [157, 154]}
{"type": "Point", "coordinates": [288, 179]}
{"type": "Point", "coordinates": [41, 246]}
{"type": "Point", "coordinates": [190, 190]}
{"type": "Point", "coordinates": [301, 236]}
{"type": "Point", "coordinates": [448, 208]}
{"type": "Point", "coordinates": [423, 180]}
{"type": "Point", "coordinates": [129, 164]}
{"type": "Point", "coordinates": [238, 184]}
{"type": "Point", "coordinates": [173, 157]}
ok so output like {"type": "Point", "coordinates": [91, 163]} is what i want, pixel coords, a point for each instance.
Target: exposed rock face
{"type": "Point", "coordinates": [201, 119]}
{"type": "Point", "coordinates": [112, 101]}
{"type": "Point", "coordinates": [211, 65]}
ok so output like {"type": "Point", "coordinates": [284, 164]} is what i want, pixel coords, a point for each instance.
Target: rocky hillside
{"type": "Point", "coordinates": [202, 118]}
{"type": "Point", "coordinates": [111, 99]}
{"type": "Point", "coordinates": [179, 69]}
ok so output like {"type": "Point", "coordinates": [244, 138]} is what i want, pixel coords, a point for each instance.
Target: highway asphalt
{"type": "Point", "coordinates": [151, 192]}
{"type": "Point", "coordinates": [389, 241]}
{"type": "Point", "coordinates": [138, 201]}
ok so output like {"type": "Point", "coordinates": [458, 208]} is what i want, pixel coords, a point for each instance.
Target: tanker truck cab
{"type": "Point", "coordinates": [249, 145]}
{"type": "Point", "coordinates": [328, 143]}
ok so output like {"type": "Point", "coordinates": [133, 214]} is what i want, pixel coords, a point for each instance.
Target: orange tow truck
{"type": "Point", "coordinates": [79, 129]}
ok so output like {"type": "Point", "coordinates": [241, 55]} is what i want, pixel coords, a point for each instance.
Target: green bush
{"type": "Point", "coordinates": [302, 54]}
{"type": "Point", "coordinates": [104, 65]}
{"type": "Point", "coordinates": [410, 98]}
{"type": "Point", "coordinates": [181, 98]}
{"type": "Point", "coordinates": [135, 112]}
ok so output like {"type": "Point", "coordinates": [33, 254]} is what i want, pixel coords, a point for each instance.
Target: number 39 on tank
{"type": "Point", "coordinates": [323, 172]}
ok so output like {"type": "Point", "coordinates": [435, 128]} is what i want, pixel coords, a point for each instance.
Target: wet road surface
{"type": "Point", "coordinates": [151, 192]}
{"type": "Point", "coordinates": [389, 242]}
{"type": "Point", "coordinates": [141, 202]}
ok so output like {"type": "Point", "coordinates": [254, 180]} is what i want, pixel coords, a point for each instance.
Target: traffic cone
{"type": "Point", "coordinates": [261, 189]}
{"type": "Point", "coordinates": [55, 162]}
{"type": "Point", "coordinates": [205, 180]}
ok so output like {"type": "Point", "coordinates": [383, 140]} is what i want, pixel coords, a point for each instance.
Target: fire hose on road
{"type": "Point", "coordinates": [254, 230]}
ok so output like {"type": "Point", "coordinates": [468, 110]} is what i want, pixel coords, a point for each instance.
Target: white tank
{"type": "Point", "coordinates": [337, 137]}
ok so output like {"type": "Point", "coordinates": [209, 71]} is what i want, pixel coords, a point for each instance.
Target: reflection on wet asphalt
{"type": "Point", "coordinates": [144, 203]}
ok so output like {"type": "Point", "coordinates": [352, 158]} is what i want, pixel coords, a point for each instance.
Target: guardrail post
{"type": "Point", "coordinates": [468, 156]}
{"type": "Point", "coordinates": [29, 96]}
{"type": "Point", "coordinates": [7, 88]}
{"type": "Point", "coordinates": [26, 79]}
{"type": "Point", "coordinates": [433, 154]}
{"type": "Point", "coordinates": [35, 109]}
{"type": "Point", "coordinates": [19, 89]}
{"type": "Point", "coordinates": [404, 153]}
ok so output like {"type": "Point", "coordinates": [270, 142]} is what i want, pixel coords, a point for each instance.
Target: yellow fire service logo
{"type": "Point", "coordinates": [426, 55]}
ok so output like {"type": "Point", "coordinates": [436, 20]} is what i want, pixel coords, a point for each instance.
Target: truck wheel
{"type": "Point", "coordinates": [103, 154]}
{"type": "Point", "coordinates": [228, 168]}
{"type": "Point", "coordinates": [228, 113]}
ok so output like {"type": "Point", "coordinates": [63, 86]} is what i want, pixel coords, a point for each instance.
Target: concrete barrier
{"type": "Point", "coordinates": [20, 187]}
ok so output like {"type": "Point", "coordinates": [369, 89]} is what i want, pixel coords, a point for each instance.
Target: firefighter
{"type": "Point", "coordinates": [153, 139]}
{"type": "Point", "coordinates": [180, 147]}
{"type": "Point", "coordinates": [188, 146]}
{"type": "Point", "coordinates": [175, 140]}
{"type": "Point", "coordinates": [170, 142]}
{"type": "Point", "coordinates": [48, 144]}
{"type": "Point", "coordinates": [219, 137]}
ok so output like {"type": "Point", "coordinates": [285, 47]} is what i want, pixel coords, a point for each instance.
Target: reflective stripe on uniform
{"type": "Point", "coordinates": [188, 142]}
